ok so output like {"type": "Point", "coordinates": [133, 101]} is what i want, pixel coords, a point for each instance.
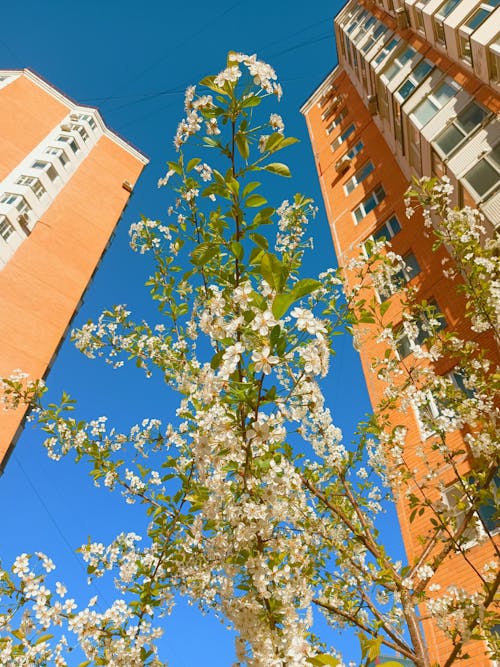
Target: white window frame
{"type": "Point", "coordinates": [396, 62]}
{"type": "Point", "coordinates": [401, 278]}
{"type": "Point", "coordinates": [440, 17]}
{"type": "Point", "coordinates": [336, 121]}
{"type": "Point", "coordinates": [58, 153]}
{"type": "Point", "coordinates": [69, 141]}
{"type": "Point", "coordinates": [494, 163]}
{"type": "Point", "coordinates": [494, 60]}
{"type": "Point", "coordinates": [6, 228]}
{"type": "Point", "coordinates": [455, 121]}
{"type": "Point", "coordinates": [355, 180]}
{"type": "Point", "coordinates": [465, 32]}
{"type": "Point", "coordinates": [378, 195]}
{"type": "Point", "coordinates": [33, 183]}
{"type": "Point", "coordinates": [435, 101]}
{"type": "Point", "coordinates": [78, 127]}
{"type": "Point", "coordinates": [48, 168]}
{"type": "Point", "coordinates": [338, 141]}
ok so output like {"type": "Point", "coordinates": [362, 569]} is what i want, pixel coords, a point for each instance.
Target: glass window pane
{"type": "Point", "coordinates": [448, 7]}
{"type": "Point", "coordinates": [449, 139]}
{"type": "Point", "coordinates": [412, 267]}
{"type": "Point", "coordinates": [477, 18]}
{"type": "Point", "coordinates": [482, 177]}
{"type": "Point", "coordinates": [444, 93]}
{"type": "Point", "coordinates": [425, 111]}
{"type": "Point", "coordinates": [471, 117]}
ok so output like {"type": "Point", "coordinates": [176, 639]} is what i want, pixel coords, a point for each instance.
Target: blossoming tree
{"type": "Point", "coordinates": [257, 509]}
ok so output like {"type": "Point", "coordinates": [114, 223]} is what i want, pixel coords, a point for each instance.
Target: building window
{"type": "Point", "coordinates": [434, 101]}
{"type": "Point", "coordinates": [386, 51]}
{"type": "Point", "coordinates": [6, 229]}
{"type": "Point", "coordinates": [86, 117]}
{"type": "Point", "coordinates": [427, 325]}
{"type": "Point", "coordinates": [466, 30]}
{"type": "Point", "coordinates": [19, 202]}
{"type": "Point", "coordinates": [458, 503]}
{"type": "Point", "coordinates": [341, 138]}
{"type": "Point", "coordinates": [397, 63]}
{"type": "Point", "coordinates": [374, 37]}
{"type": "Point", "coordinates": [368, 204]}
{"type": "Point", "coordinates": [336, 121]}
{"type": "Point", "coordinates": [415, 77]}
{"type": "Point", "coordinates": [409, 270]}
{"type": "Point", "coordinates": [81, 131]}
{"type": "Point", "coordinates": [363, 29]}
{"type": "Point", "coordinates": [357, 148]}
{"type": "Point", "coordinates": [59, 154]}
{"type": "Point", "coordinates": [494, 58]}
{"type": "Point", "coordinates": [419, 16]}
{"type": "Point", "coordinates": [461, 128]}
{"type": "Point", "coordinates": [388, 230]}
{"type": "Point", "coordinates": [9, 199]}
{"type": "Point", "coordinates": [47, 167]}
{"type": "Point", "coordinates": [440, 16]}
{"type": "Point", "coordinates": [358, 177]}
{"type": "Point", "coordinates": [69, 141]}
{"type": "Point", "coordinates": [484, 177]}
{"type": "Point", "coordinates": [33, 183]}
{"type": "Point", "coordinates": [457, 506]}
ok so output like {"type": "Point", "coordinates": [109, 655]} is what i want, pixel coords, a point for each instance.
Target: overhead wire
{"type": "Point", "coordinates": [56, 525]}
{"type": "Point", "coordinates": [153, 96]}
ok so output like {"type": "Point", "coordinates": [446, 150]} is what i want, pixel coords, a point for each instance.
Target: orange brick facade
{"type": "Point", "coordinates": [43, 282]}
{"type": "Point", "coordinates": [343, 94]}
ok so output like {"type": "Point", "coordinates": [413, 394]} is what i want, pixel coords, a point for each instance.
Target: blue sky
{"type": "Point", "coordinates": [133, 61]}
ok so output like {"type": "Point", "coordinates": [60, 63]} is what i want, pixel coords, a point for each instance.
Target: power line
{"type": "Point", "coordinates": [56, 526]}
{"type": "Point", "coordinates": [162, 58]}
{"type": "Point", "coordinates": [178, 91]}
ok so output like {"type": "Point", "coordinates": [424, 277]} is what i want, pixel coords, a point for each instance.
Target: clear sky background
{"type": "Point", "coordinates": [133, 61]}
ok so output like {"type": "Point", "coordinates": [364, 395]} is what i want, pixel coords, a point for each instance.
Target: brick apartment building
{"type": "Point", "coordinates": [65, 179]}
{"type": "Point", "coordinates": [415, 92]}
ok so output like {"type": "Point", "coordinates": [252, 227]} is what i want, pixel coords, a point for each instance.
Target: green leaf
{"type": "Point", "coordinates": [237, 249]}
{"type": "Point", "coordinates": [192, 163]}
{"type": "Point", "coordinates": [289, 141]}
{"type": "Point", "coordinates": [208, 141]}
{"type": "Point", "coordinates": [242, 145]}
{"type": "Point", "coordinates": [305, 286]}
{"type": "Point", "coordinates": [384, 307]}
{"type": "Point", "coordinates": [263, 216]}
{"type": "Point", "coordinates": [273, 141]}
{"type": "Point", "coordinates": [260, 240]}
{"type": "Point", "coordinates": [278, 168]}
{"type": "Point", "coordinates": [323, 659]}
{"type": "Point", "coordinates": [251, 101]}
{"type": "Point", "coordinates": [208, 82]}
{"type": "Point", "coordinates": [85, 663]}
{"type": "Point", "coordinates": [281, 304]}
{"type": "Point", "coordinates": [175, 167]}
{"type": "Point", "coordinates": [43, 638]}
{"type": "Point", "coordinates": [250, 187]}
{"type": "Point", "coordinates": [256, 200]}
{"type": "Point", "coordinates": [204, 253]}
{"type": "Point", "coordinates": [273, 271]}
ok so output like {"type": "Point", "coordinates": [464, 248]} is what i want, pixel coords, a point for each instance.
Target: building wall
{"type": "Point", "coordinates": [43, 282]}
{"type": "Point", "coordinates": [349, 96]}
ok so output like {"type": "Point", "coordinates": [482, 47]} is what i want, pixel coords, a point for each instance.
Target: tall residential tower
{"type": "Point", "coordinates": [65, 179]}
{"type": "Point", "coordinates": [415, 92]}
